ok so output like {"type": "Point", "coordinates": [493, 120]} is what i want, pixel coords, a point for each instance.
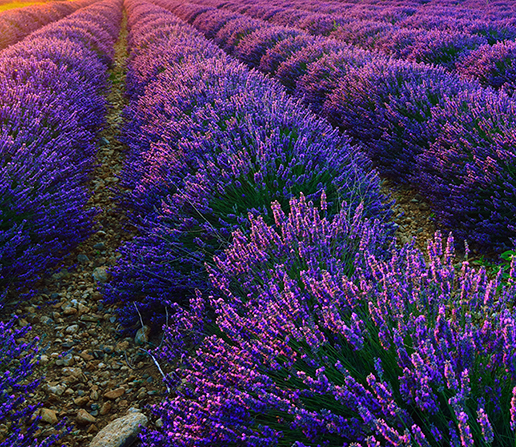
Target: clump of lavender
{"type": "Point", "coordinates": [493, 66]}
{"type": "Point", "coordinates": [324, 337]}
{"type": "Point", "coordinates": [230, 35]}
{"type": "Point", "coordinates": [324, 75]}
{"type": "Point", "coordinates": [252, 47]}
{"type": "Point", "coordinates": [17, 361]}
{"type": "Point", "coordinates": [469, 171]}
{"type": "Point", "coordinates": [281, 51]}
{"type": "Point", "coordinates": [293, 68]}
{"type": "Point", "coordinates": [51, 106]}
{"type": "Point", "coordinates": [362, 33]}
{"type": "Point", "coordinates": [385, 105]}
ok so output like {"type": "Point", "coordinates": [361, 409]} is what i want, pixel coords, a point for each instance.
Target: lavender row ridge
{"type": "Point", "coordinates": [317, 330]}
{"type": "Point", "coordinates": [52, 106]}
{"type": "Point", "coordinates": [19, 23]}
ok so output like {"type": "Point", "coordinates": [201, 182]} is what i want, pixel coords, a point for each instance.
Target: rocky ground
{"type": "Point", "coordinates": [91, 375]}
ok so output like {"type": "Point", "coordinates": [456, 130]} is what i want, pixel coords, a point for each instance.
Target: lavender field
{"type": "Point", "coordinates": [201, 241]}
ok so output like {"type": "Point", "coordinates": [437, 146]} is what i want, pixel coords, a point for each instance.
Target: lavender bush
{"type": "Point", "coordinates": [322, 337]}
{"type": "Point", "coordinates": [469, 171]}
{"type": "Point", "coordinates": [386, 105]}
{"type": "Point", "coordinates": [19, 23]}
{"type": "Point", "coordinates": [280, 52]}
{"type": "Point", "coordinates": [252, 48]}
{"type": "Point", "coordinates": [493, 65]}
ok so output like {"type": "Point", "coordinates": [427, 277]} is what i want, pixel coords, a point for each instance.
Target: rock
{"type": "Point", "coordinates": [44, 359]}
{"type": "Point", "coordinates": [159, 423]}
{"type": "Point", "coordinates": [67, 360]}
{"type": "Point", "coordinates": [82, 309]}
{"type": "Point", "coordinates": [88, 357]}
{"type": "Point", "coordinates": [48, 416]}
{"type": "Point", "coordinates": [92, 318]}
{"type": "Point", "coordinates": [69, 310]}
{"type": "Point", "coordinates": [46, 320]}
{"type": "Point", "coordinates": [100, 275]}
{"type": "Point", "coordinates": [58, 390]}
{"type": "Point", "coordinates": [121, 432]}
{"type": "Point", "coordinates": [113, 394]}
{"type": "Point", "coordinates": [82, 258]}
{"type": "Point", "coordinates": [83, 417]}
{"type": "Point", "coordinates": [80, 401]}
{"type": "Point", "coordinates": [75, 372]}
{"type": "Point", "coordinates": [72, 329]}
{"type": "Point", "coordinates": [106, 408]}
{"type": "Point", "coordinates": [100, 246]}
{"type": "Point", "coordinates": [142, 336]}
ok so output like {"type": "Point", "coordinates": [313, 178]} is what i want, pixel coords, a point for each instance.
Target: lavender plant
{"type": "Point", "coordinates": [493, 65]}
{"type": "Point", "coordinates": [211, 142]}
{"type": "Point", "coordinates": [324, 337]}
{"type": "Point", "coordinates": [386, 105]}
{"type": "Point", "coordinates": [468, 172]}
{"type": "Point", "coordinates": [51, 106]}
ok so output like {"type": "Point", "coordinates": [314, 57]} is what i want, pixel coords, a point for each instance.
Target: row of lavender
{"type": "Point", "coordinates": [442, 14]}
{"type": "Point", "coordinates": [457, 46]}
{"type": "Point", "coordinates": [315, 329]}
{"type": "Point", "coordinates": [51, 107]}
{"type": "Point", "coordinates": [19, 23]}
{"type": "Point", "coordinates": [209, 143]}
{"type": "Point", "coordinates": [450, 138]}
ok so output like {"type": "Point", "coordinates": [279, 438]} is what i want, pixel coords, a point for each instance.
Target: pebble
{"type": "Point", "coordinates": [82, 258]}
{"type": "Point", "coordinates": [113, 394]}
{"type": "Point", "coordinates": [70, 310]}
{"type": "Point", "coordinates": [100, 275]}
{"type": "Point", "coordinates": [72, 329]}
{"type": "Point", "coordinates": [100, 246]}
{"type": "Point", "coordinates": [67, 360]}
{"type": "Point", "coordinates": [142, 336]}
{"type": "Point", "coordinates": [106, 408]}
{"type": "Point", "coordinates": [83, 417]}
{"type": "Point", "coordinates": [121, 432]}
{"type": "Point", "coordinates": [58, 390]}
{"type": "Point", "coordinates": [48, 416]}
{"type": "Point", "coordinates": [46, 320]}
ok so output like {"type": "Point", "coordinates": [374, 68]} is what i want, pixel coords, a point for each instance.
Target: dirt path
{"type": "Point", "coordinates": [92, 376]}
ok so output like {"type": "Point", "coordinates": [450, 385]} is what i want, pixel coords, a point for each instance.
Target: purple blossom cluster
{"type": "Point", "coordinates": [17, 361]}
{"type": "Point", "coordinates": [210, 142]}
{"type": "Point", "coordinates": [387, 105]}
{"type": "Point", "coordinates": [51, 107]}
{"type": "Point", "coordinates": [18, 23]}
{"type": "Point", "coordinates": [326, 334]}
{"type": "Point", "coordinates": [471, 165]}
{"type": "Point", "coordinates": [493, 65]}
